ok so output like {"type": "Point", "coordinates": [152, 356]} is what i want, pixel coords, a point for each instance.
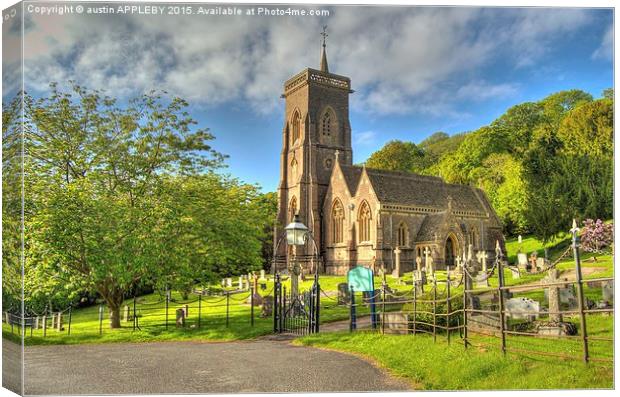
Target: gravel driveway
{"type": "Point", "coordinates": [196, 367]}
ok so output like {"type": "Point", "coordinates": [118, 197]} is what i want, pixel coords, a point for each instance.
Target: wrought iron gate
{"type": "Point", "coordinates": [296, 313]}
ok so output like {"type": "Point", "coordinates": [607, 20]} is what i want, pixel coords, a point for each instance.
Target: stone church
{"type": "Point", "coordinates": [363, 216]}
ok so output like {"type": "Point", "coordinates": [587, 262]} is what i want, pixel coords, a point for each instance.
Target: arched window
{"type": "Point", "coordinates": [403, 235]}
{"type": "Point", "coordinates": [363, 219]}
{"type": "Point", "coordinates": [296, 121]}
{"type": "Point", "coordinates": [292, 209]}
{"type": "Point", "coordinates": [294, 167]}
{"type": "Point", "coordinates": [328, 126]}
{"type": "Point", "coordinates": [337, 222]}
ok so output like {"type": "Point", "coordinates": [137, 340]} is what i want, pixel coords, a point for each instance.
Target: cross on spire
{"type": "Point", "coordinates": [324, 67]}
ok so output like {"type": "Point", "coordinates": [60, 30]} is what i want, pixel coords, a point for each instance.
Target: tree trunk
{"type": "Point", "coordinates": [115, 317]}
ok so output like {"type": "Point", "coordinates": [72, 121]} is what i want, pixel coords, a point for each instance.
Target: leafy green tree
{"type": "Point", "coordinates": [588, 129]}
{"type": "Point", "coordinates": [95, 171]}
{"type": "Point", "coordinates": [398, 156]}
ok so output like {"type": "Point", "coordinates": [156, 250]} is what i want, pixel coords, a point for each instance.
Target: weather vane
{"type": "Point", "coordinates": [324, 34]}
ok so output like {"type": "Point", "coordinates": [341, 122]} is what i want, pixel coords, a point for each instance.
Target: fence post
{"type": "Point", "coordinates": [283, 310]}
{"type": "Point", "coordinates": [448, 304]}
{"type": "Point", "coordinates": [44, 325]}
{"type": "Point", "coordinates": [383, 287]}
{"type": "Point", "coordinates": [69, 327]}
{"type": "Point", "coordinates": [467, 283]}
{"type": "Point", "coordinates": [100, 320]}
{"type": "Point", "coordinates": [167, 305]}
{"type": "Point", "coordinates": [199, 308]}
{"type": "Point", "coordinates": [276, 303]}
{"type": "Point", "coordinates": [352, 320]}
{"type": "Point", "coordinates": [582, 315]}
{"type": "Point", "coordinates": [252, 305]}
{"type": "Point", "coordinates": [227, 307]}
{"type": "Point", "coordinates": [502, 317]}
{"type": "Point", "coordinates": [415, 310]}
{"type": "Point", "coordinates": [317, 309]}
{"type": "Point", "coordinates": [134, 313]}
{"type": "Point", "coordinates": [434, 308]}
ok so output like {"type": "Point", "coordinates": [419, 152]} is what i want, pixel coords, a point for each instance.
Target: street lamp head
{"type": "Point", "coordinates": [296, 232]}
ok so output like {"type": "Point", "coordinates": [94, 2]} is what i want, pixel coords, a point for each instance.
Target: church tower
{"type": "Point", "coordinates": [316, 133]}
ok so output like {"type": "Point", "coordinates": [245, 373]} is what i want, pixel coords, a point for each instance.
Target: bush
{"type": "Point", "coordinates": [596, 235]}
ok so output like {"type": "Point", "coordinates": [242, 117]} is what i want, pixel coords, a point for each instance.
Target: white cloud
{"type": "Point", "coordinates": [606, 49]}
{"type": "Point", "coordinates": [400, 60]}
{"type": "Point", "coordinates": [364, 138]}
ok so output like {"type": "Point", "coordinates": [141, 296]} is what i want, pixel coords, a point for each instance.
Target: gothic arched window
{"type": "Point", "coordinates": [328, 126]}
{"type": "Point", "coordinates": [294, 168]}
{"type": "Point", "coordinates": [292, 209]}
{"type": "Point", "coordinates": [337, 222]}
{"type": "Point", "coordinates": [296, 121]}
{"type": "Point", "coordinates": [363, 219]}
{"type": "Point", "coordinates": [403, 235]}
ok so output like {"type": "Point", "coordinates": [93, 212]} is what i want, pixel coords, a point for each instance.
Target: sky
{"type": "Point", "coordinates": [415, 70]}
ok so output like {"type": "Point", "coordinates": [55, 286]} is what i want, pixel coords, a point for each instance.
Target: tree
{"type": "Point", "coordinates": [588, 129]}
{"type": "Point", "coordinates": [398, 156]}
{"type": "Point", "coordinates": [95, 171]}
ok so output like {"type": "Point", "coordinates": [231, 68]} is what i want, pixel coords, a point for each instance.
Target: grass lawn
{"type": "Point", "coordinates": [152, 315]}
{"type": "Point", "coordinates": [439, 366]}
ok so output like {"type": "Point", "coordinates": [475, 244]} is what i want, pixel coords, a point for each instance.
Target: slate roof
{"type": "Point", "coordinates": [432, 223]}
{"type": "Point", "coordinates": [351, 176]}
{"type": "Point", "coordinates": [405, 188]}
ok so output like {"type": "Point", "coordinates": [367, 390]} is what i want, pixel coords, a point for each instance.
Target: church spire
{"type": "Point", "coordinates": [324, 67]}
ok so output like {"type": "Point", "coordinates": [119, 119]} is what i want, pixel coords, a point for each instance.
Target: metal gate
{"type": "Point", "coordinates": [296, 313]}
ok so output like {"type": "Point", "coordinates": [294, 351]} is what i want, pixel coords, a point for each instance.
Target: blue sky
{"type": "Point", "coordinates": [415, 70]}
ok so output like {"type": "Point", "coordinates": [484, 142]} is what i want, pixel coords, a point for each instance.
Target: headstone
{"type": "Point", "coordinates": [262, 274]}
{"type": "Point", "coordinates": [229, 282]}
{"type": "Point", "coordinates": [608, 291]}
{"type": "Point", "coordinates": [532, 259]}
{"type": "Point", "coordinates": [418, 263]}
{"type": "Point", "coordinates": [553, 296]}
{"type": "Point", "coordinates": [522, 262]}
{"type": "Point", "coordinates": [267, 308]}
{"type": "Point", "coordinates": [482, 257]}
{"type": "Point", "coordinates": [180, 318]}
{"type": "Point", "coordinates": [223, 283]}
{"type": "Point", "coordinates": [540, 264]}
{"type": "Point", "coordinates": [126, 313]}
{"type": "Point", "coordinates": [344, 294]}
{"type": "Point", "coordinates": [396, 323]}
{"type": "Point", "coordinates": [240, 283]}
{"type": "Point", "coordinates": [514, 271]}
{"type": "Point", "coordinates": [396, 272]}
{"type": "Point", "coordinates": [568, 297]}
{"type": "Point", "coordinates": [522, 309]}
{"type": "Point", "coordinates": [459, 263]}
{"type": "Point", "coordinates": [481, 280]}
{"type": "Point", "coordinates": [428, 263]}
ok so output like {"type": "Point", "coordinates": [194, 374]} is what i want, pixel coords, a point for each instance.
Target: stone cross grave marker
{"type": "Point", "coordinates": [482, 256]}
{"type": "Point", "coordinates": [553, 295]}
{"type": "Point", "coordinates": [396, 272]}
{"type": "Point", "coordinates": [533, 258]}
{"type": "Point", "coordinates": [428, 264]}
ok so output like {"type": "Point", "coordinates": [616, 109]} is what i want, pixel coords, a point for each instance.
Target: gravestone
{"type": "Point", "coordinates": [481, 280]}
{"type": "Point", "coordinates": [396, 273]}
{"type": "Point", "coordinates": [553, 296]}
{"type": "Point", "coordinates": [229, 282]}
{"type": "Point", "coordinates": [223, 283]}
{"type": "Point", "coordinates": [533, 258]}
{"type": "Point", "coordinates": [540, 264]}
{"type": "Point", "coordinates": [267, 308]}
{"type": "Point", "coordinates": [126, 313]}
{"type": "Point", "coordinates": [608, 292]}
{"type": "Point", "coordinates": [568, 297]}
{"type": "Point", "coordinates": [396, 323]}
{"type": "Point", "coordinates": [482, 257]}
{"type": "Point", "coordinates": [344, 294]}
{"type": "Point", "coordinates": [180, 318]}
{"type": "Point", "coordinates": [240, 283]}
{"type": "Point", "coordinates": [522, 309]}
{"type": "Point", "coordinates": [522, 262]}
{"type": "Point", "coordinates": [262, 274]}
{"type": "Point", "coordinates": [514, 271]}
{"type": "Point", "coordinates": [428, 263]}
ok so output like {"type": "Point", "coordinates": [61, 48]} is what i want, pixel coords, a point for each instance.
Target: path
{"type": "Point", "coordinates": [197, 367]}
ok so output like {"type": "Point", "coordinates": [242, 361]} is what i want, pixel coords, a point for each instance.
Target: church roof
{"type": "Point", "coordinates": [425, 191]}
{"type": "Point", "coordinates": [432, 223]}
{"type": "Point", "coordinates": [351, 176]}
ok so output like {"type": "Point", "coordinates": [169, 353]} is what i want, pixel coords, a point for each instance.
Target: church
{"type": "Point", "coordinates": [363, 216]}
